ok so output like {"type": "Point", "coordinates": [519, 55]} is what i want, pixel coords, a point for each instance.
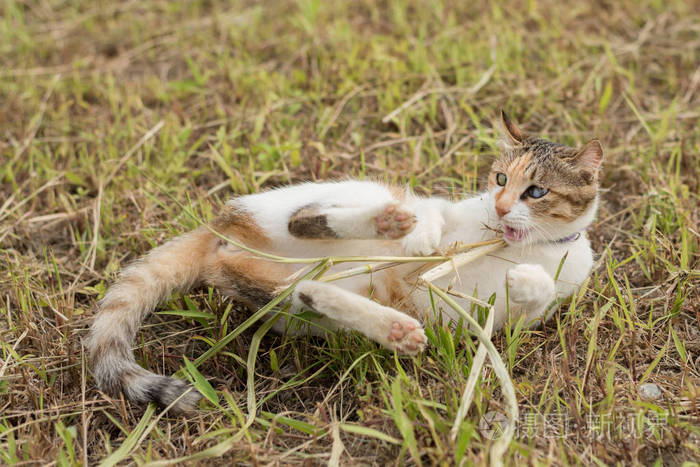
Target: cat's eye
{"type": "Point", "coordinates": [501, 179]}
{"type": "Point", "coordinates": [536, 192]}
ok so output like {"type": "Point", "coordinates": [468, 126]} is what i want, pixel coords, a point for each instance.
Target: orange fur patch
{"type": "Point", "coordinates": [393, 291]}
{"type": "Point", "coordinates": [240, 224]}
{"type": "Point", "coordinates": [397, 192]}
{"type": "Point", "coordinates": [115, 305]}
{"type": "Point", "coordinates": [135, 281]}
{"type": "Point", "coordinates": [517, 181]}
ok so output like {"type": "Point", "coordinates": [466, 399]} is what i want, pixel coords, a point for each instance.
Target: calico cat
{"type": "Point", "coordinates": [541, 195]}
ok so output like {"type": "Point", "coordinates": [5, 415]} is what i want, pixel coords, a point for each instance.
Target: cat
{"type": "Point", "coordinates": [541, 196]}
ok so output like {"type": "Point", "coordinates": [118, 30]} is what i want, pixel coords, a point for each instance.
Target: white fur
{"type": "Point", "coordinates": [347, 310]}
{"type": "Point", "coordinates": [530, 286]}
{"type": "Point", "coordinates": [427, 235]}
{"type": "Point", "coordinates": [529, 266]}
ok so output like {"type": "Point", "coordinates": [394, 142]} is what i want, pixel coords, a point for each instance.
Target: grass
{"type": "Point", "coordinates": [116, 114]}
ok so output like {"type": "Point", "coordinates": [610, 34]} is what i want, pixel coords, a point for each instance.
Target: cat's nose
{"type": "Point", "coordinates": [502, 211]}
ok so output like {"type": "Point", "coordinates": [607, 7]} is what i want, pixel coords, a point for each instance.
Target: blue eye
{"type": "Point", "coordinates": [536, 192]}
{"type": "Point", "coordinates": [501, 179]}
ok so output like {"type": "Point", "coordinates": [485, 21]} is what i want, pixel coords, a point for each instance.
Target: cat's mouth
{"type": "Point", "coordinates": [513, 234]}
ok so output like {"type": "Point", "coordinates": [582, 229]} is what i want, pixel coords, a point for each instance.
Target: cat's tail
{"type": "Point", "coordinates": [175, 266]}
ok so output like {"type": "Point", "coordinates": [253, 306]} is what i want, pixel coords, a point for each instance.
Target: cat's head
{"type": "Point", "coordinates": [543, 191]}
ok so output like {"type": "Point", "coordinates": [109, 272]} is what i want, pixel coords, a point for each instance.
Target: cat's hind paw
{"type": "Point", "coordinates": [406, 336]}
{"type": "Point", "coordinates": [395, 221]}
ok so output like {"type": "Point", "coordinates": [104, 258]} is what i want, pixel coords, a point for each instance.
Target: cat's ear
{"type": "Point", "coordinates": [589, 156]}
{"type": "Point", "coordinates": [512, 130]}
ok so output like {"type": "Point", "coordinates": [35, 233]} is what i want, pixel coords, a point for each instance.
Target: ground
{"type": "Point", "coordinates": [119, 119]}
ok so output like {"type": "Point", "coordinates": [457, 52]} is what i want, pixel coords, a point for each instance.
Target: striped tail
{"type": "Point", "coordinates": [175, 266]}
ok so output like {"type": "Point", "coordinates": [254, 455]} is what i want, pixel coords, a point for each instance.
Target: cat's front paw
{"type": "Point", "coordinates": [423, 241]}
{"type": "Point", "coordinates": [530, 285]}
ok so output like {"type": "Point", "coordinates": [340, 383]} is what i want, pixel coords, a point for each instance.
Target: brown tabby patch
{"type": "Point", "coordinates": [110, 345]}
{"type": "Point", "coordinates": [252, 280]}
{"type": "Point", "coordinates": [308, 223]}
{"type": "Point", "coordinates": [397, 192]}
{"type": "Point", "coordinates": [572, 185]}
{"type": "Point", "coordinates": [307, 300]}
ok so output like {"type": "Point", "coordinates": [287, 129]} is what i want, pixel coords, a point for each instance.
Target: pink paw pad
{"type": "Point", "coordinates": [407, 337]}
{"type": "Point", "coordinates": [394, 222]}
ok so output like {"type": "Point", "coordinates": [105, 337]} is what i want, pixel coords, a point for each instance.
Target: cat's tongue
{"type": "Point", "coordinates": [513, 235]}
